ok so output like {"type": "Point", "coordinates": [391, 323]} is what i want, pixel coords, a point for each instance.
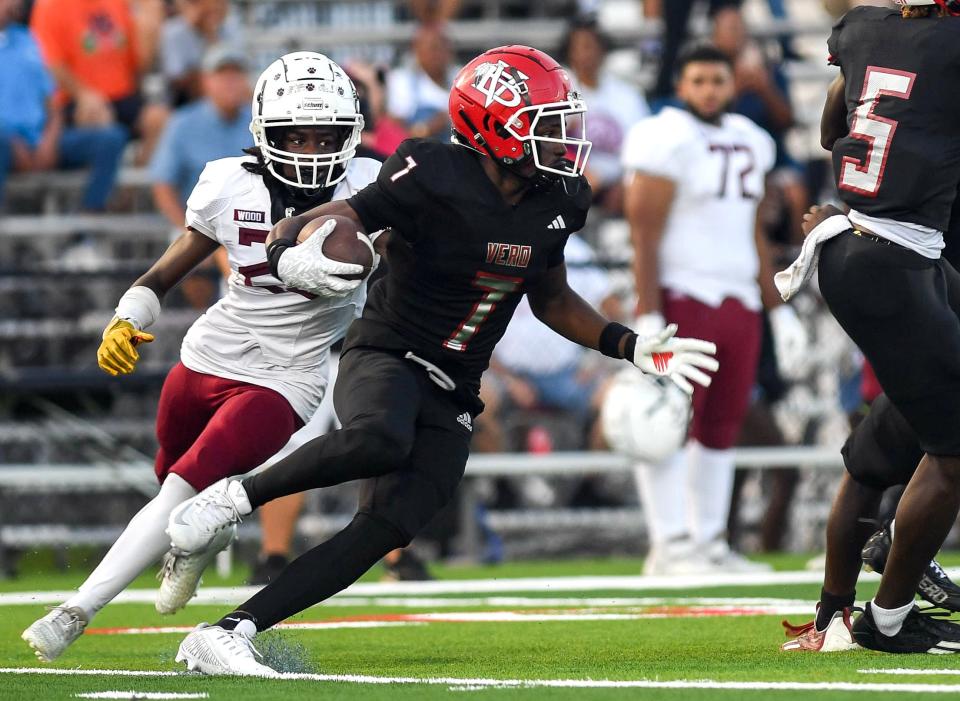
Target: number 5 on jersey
{"type": "Point", "coordinates": [865, 178]}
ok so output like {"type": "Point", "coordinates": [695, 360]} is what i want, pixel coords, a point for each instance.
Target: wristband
{"type": "Point", "coordinates": [275, 249]}
{"type": "Point", "coordinates": [140, 306]}
{"type": "Point", "coordinates": [610, 339]}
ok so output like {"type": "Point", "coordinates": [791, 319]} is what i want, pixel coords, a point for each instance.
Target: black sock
{"type": "Point", "coordinates": [232, 619]}
{"type": "Point", "coordinates": [830, 604]}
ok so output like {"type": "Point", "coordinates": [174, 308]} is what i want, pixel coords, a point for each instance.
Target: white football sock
{"type": "Point", "coordinates": [663, 497]}
{"type": "Point", "coordinates": [141, 544]}
{"type": "Point", "coordinates": [889, 621]}
{"type": "Point", "coordinates": [710, 483]}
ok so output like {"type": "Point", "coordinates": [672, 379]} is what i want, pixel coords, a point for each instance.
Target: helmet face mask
{"type": "Point", "coordinates": [319, 164]}
{"type": "Point", "coordinates": [305, 89]}
{"type": "Point", "coordinates": [516, 105]}
{"type": "Point", "coordinates": [569, 119]}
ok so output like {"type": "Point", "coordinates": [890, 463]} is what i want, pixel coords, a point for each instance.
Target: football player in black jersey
{"type": "Point", "coordinates": [474, 225]}
{"type": "Point", "coordinates": [892, 119]}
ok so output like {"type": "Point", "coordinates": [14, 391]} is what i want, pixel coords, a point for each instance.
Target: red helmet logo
{"type": "Point", "coordinates": [510, 100]}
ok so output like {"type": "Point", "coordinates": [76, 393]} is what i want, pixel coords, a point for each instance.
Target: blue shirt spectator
{"type": "Point", "coordinates": [25, 85]}
{"type": "Point", "coordinates": [196, 134]}
{"type": "Point", "coordinates": [32, 132]}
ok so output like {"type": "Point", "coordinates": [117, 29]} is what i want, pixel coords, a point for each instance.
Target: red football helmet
{"type": "Point", "coordinates": [498, 99]}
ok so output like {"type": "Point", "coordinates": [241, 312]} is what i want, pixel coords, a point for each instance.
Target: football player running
{"type": "Point", "coordinates": [253, 368]}
{"type": "Point", "coordinates": [892, 120]}
{"type": "Point", "coordinates": [475, 225]}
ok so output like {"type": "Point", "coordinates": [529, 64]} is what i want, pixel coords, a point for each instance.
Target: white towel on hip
{"type": "Point", "coordinates": [790, 281]}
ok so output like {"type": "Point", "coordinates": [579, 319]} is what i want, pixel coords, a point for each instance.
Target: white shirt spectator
{"type": "Point", "coordinates": [612, 108]}
{"type": "Point", "coordinates": [413, 97]}
{"type": "Point", "coordinates": [529, 346]}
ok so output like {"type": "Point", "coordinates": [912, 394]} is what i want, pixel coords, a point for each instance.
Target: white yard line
{"type": "Point", "coordinates": [913, 672]}
{"type": "Point", "coordinates": [540, 683]}
{"type": "Point", "coordinates": [139, 695]}
{"type": "Point", "coordinates": [227, 595]}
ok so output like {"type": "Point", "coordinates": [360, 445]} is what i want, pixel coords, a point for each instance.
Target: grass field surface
{"type": "Point", "coordinates": [545, 630]}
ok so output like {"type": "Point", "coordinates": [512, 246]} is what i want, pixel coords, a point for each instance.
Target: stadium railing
{"type": "Point", "coordinates": [138, 476]}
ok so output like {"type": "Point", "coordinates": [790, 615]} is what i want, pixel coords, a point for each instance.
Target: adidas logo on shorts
{"type": "Point", "coordinates": [465, 421]}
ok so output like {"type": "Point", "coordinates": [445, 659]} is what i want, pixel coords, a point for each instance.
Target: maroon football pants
{"type": "Point", "coordinates": [209, 427]}
{"type": "Point", "coordinates": [719, 410]}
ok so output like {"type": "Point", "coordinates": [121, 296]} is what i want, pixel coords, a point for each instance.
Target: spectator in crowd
{"type": "Point", "coordinates": [676, 16]}
{"type": "Point", "coordinates": [533, 368]}
{"type": "Point", "coordinates": [97, 53]}
{"type": "Point", "coordinates": [614, 105]}
{"type": "Point", "coordinates": [434, 11]}
{"type": "Point", "coordinates": [212, 128]}
{"type": "Point", "coordinates": [417, 94]}
{"type": "Point", "coordinates": [185, 37]}
{"type": "Point", "coordinates": [762, 95]}
{"type": "Point", "coordinates": [381, 133]}
{"type": "Point", "coordinates": [33, 136]}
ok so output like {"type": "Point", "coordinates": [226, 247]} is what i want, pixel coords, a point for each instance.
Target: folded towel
{"type": "Point", "coordinates": [790, 281]}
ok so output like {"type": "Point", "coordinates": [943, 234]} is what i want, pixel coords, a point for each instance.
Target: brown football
{"type": "Point", "coordinates": [343, 244]}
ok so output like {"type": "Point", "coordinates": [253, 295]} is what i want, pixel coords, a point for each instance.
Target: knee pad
{"type": "Point", "coordinates": [883, 451]}
{"type": "Point", "coordinates": [378, 446]}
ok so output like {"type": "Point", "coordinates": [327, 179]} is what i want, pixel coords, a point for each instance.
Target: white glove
{"type": "Point", "coordinates": [305, 267]}
{"type": "Point", "coordinates": [676, 358]}
{"type": "Point", "coordinates": [791, 344]}
{"type": "Point", "coordinates": [649, 324]}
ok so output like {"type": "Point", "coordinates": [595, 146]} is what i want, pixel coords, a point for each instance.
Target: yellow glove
{"type": "Point", "coordinates": [117, 354]}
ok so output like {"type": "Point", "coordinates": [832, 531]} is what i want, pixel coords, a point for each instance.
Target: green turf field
{"type": "Point", "coordinates": [478, 635]}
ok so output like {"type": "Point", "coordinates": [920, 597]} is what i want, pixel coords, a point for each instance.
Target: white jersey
{"type": "Point", "coordinates": [708, 250]}
{"type": "Point", "coordinates": [261, 332]}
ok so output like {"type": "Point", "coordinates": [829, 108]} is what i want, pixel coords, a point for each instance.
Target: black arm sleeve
{"type": "Point", "coordinates": [393, 201]}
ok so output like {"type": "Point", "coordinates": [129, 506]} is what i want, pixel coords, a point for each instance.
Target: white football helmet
{"type": "Point", "coordinates": [643, 417]}
{"type": "Point", "coordinates": [305, 89]}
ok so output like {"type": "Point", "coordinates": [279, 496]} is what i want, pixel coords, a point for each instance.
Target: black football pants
{"type": "Point", "coordinates": [901, 309]}
{"type": "Point", "coordinates": [405, 436]}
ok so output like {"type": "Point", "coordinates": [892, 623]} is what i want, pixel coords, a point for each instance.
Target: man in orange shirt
{"type": "Point", "coordinates": [96, 53]}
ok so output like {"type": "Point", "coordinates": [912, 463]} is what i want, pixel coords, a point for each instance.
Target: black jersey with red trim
{"type": "Point", "coordinates": [901, 159]}
{"type": "Point", "coordinates": [460, 257]}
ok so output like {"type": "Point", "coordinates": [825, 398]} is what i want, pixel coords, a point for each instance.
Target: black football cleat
{"type": "Point", "coordinates": [407, 568]}
{"type": "Point", "coordinates": [935, 587]}
{"type": "Point", "coordinates": [920, 633]}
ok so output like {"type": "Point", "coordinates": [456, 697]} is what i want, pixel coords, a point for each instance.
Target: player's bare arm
{"type": "Point", "coordinates": [647, 203]}
{"type": "Point", "coordinates": [833, 122]}
{"type": "Point", "coordinates": [187, 252]}
{"type": "Point", "coordinates": [558, 306]}
{"type": "Point", "coordinates": [140, 305]}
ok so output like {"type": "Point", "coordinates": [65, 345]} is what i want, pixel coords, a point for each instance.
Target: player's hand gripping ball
{"type": "Point", "coordinates": [331, 259]}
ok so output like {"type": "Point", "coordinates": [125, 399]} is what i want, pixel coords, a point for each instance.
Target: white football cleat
{"type": "Point", "coordinates": [676, 558]}
{"type": "Point", "coordinates": [215, 650]}
{"type": "Point", "coordinates": [838, 636]}
{"type": "Point", "coordinates": [194, 524]}
{"type": "Point", "coordinates": [51, 635]}
{"type": "Point", "coordinates": [180, 573]}
{"type": "Point", "coordinates": [730, 561]}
